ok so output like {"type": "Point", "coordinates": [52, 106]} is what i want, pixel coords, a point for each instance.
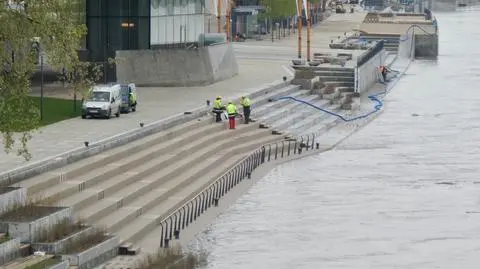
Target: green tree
{"type": "Point", "coordinates": [53, 28]}
{"type": "Point", "coordinates": [277, 9]}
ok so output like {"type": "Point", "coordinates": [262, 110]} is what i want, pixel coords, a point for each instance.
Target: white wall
{"type": "Point", "coordinates": [367, 74]}
{"type": "Point", "coordinates": [14, 197]}
{"type": "Point", "coordinates": [406, 47]}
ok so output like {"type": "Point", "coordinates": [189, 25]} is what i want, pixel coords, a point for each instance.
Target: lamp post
{"type": "Point", "coordinates": [38, 48]}
{"type": "Point", "coordinates": [299, 27]}
{"type": "Point", "coordinates": [309, 26]}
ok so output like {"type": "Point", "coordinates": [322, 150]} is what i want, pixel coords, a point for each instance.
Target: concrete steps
{"type": "Point", "coordinates": [164, 156]}
{"type": "Point", "coordinates": [267, 108]}
{"type": "Point", "coordinates": [180, 189]}
{"type": "Point", "coordinates": [317, 120]}
{"type": "Point", "coordinates": [348, 74]}
{"type": "Point", "coordinates": [129, 189]}
{"type": "Point", "coordinates": [302, 112]}
{"type": "Point", "coordinates": [286, 110]}
{"type": "Point", "coordinates": [165, 173]}
{"type": "Point", "coordinates": [391, 42]}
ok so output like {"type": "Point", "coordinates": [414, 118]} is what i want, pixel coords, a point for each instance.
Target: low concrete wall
{"type": "Point", "coordinates": [61, 160]}
{"type": "Point", "coordinates": [9, 250]}
{"type": "Point", "coordinates": [59, 246]}
{"type": "Point", "coordinates": [177, 66]}
{"type": "Point", "coordinates": [426, 46]}
{"type": "Point", "coordinates": [27, 232]}
{"type": "Point", "coordinates": [94, 256]}
{"type": "Point", "coordinates": [11, 196]}
{"type": "Point", "coordinates": [61, 265]}
{"type": "Point", "coordinates": [367, 74]}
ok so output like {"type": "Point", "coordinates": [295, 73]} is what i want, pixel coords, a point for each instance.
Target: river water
{"type": "Point", "coordinates": [403, 192]}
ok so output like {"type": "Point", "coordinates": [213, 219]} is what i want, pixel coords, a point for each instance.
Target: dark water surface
{"type": "Point", "coordinates": [404, 192]}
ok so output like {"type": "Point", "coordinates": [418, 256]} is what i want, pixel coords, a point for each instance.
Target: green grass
{"type": "Point", "coordinates": [55, 110]}
{"type": "Point", "coordinates": [45, 264]}
{"type": "Point", "coordinates": [4, 239]}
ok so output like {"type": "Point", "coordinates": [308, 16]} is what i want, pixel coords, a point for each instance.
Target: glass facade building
{"type": "Point", "coordinates": [142, 24]}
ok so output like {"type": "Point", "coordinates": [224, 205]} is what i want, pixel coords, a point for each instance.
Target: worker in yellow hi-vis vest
{"type": "Point", "coordinates": [232, 113]}
{"type": "Point", "coordinates": [246, 104]}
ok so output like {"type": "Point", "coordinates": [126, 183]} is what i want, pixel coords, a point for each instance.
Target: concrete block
{"type": "Point", "coordinates": [367, 73]}
{"type": "Point", "coordinates": [177, 66]}
{"type": "Point", "coordinates": [95, 255]}
{"type": "Point", "coordinates": [426, 46]}
{"type": "Point", "coordinates": [9, 250]}
{"type": "Point", "coordinates": [12, 196]}
{"type": "Point", "coordinates": [59, 246]}
{"type": "Point", "coordinates": [28, 228]}
{"type": "Point", "coordinates": [306, 84]}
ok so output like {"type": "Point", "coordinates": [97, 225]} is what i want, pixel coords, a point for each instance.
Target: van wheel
{"type": "Point", "coordinates": [118, 113]}
{"type": "Point", "coordinates": [84, 116]}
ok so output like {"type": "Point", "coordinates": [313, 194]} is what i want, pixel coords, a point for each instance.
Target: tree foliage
{"type": "Point", "coordinates": [31, 28]}
{"type": "Point", "coordinates": [278, 9]}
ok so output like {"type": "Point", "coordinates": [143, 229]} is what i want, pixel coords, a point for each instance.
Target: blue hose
{"type": "Point", "coordinates": [374, 97]}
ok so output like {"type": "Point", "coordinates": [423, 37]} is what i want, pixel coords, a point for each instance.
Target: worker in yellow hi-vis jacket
{"type": "Point", "coordinates": [246, 104]}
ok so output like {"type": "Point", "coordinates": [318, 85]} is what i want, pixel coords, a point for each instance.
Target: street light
{"type": "Point", "coordinates": [38, 48]}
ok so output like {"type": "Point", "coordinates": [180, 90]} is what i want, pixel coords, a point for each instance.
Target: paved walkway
{"type": "Point", "coordinates": [158, 103]}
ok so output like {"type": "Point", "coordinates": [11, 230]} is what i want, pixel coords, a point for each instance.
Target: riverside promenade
{"type": "Point", "coordinates": [260, 64]}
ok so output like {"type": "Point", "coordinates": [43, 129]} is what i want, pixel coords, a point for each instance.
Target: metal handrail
{"type": "Point", "coordinates": [178, 220]}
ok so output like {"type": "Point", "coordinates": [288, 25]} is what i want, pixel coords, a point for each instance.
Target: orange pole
{"type": "Point", "coordinates": [219, 16]}
{"type": "Point", "coordinates": [228, 25]}
{"type": "Point", "coordinates": [309, 26]}
{"type": "Point", "coordinates": [299, 28]}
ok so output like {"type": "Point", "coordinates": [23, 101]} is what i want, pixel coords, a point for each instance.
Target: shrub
{"type": "Point", "coordinates": [59, 231]}
{"type": "Point", "coordinates": [174, 258]}
{"type": "Point", "coordinates": [85, 242]}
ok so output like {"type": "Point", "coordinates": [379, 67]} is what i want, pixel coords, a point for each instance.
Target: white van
{"type": "Point", "coordinates": [102, 101]}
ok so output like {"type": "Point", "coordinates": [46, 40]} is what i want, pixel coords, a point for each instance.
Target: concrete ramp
{"type": "Point", "coordinates": [177, 66]}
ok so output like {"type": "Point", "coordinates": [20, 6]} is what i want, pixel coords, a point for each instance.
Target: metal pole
{"type": "Point", "coordinates": [219, 17]}
{"type": "Point", "coordinates": [271, 19]}
{"type": "Point", "coordinates": [309, 26]}
{"type": "Point", "coordinates": [41, 86]}
{"type": "Point", "coordinates": [299, 27]}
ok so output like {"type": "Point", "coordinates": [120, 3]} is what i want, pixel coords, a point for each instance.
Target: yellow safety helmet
{"type": "Point", "coordinates": [230, 102]}
{"type": "Point", "coordinates": [219, 97]}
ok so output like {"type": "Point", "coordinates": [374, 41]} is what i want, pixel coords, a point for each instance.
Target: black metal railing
{"type": "Point", "coordinates": [365, 57]}
{"type": "Point", "coordinates": [172, 225]}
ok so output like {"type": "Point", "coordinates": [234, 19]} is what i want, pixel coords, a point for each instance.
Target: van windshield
{"type": "Point", "coordinates": [124, 90]}
{"type": "Point", "coordinates": [99, 97]}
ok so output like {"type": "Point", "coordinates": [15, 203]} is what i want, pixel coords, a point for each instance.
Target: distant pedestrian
{"type": "Point", "coordinates": [218, 108]}
{"type": "Point", "coordinates": [246, 104]}
{"type": "Point", "coordinates": [232, 113]}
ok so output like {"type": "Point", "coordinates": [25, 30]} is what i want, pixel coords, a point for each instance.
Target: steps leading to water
{"type": "Point", "coordinates": [391, 41]}
{"type": "Point", "coordinates": [129, 189]}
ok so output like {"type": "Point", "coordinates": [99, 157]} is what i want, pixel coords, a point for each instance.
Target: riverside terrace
{"type": "Point", "coordinates": [124, 191]}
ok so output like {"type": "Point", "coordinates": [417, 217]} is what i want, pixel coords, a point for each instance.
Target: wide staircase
{"type": "Point", "coordinates": [129, 189]}
{"type": "Point", "coordinates": [293, 118]}
{"type": "Point", "coordinates": [391, 41]}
